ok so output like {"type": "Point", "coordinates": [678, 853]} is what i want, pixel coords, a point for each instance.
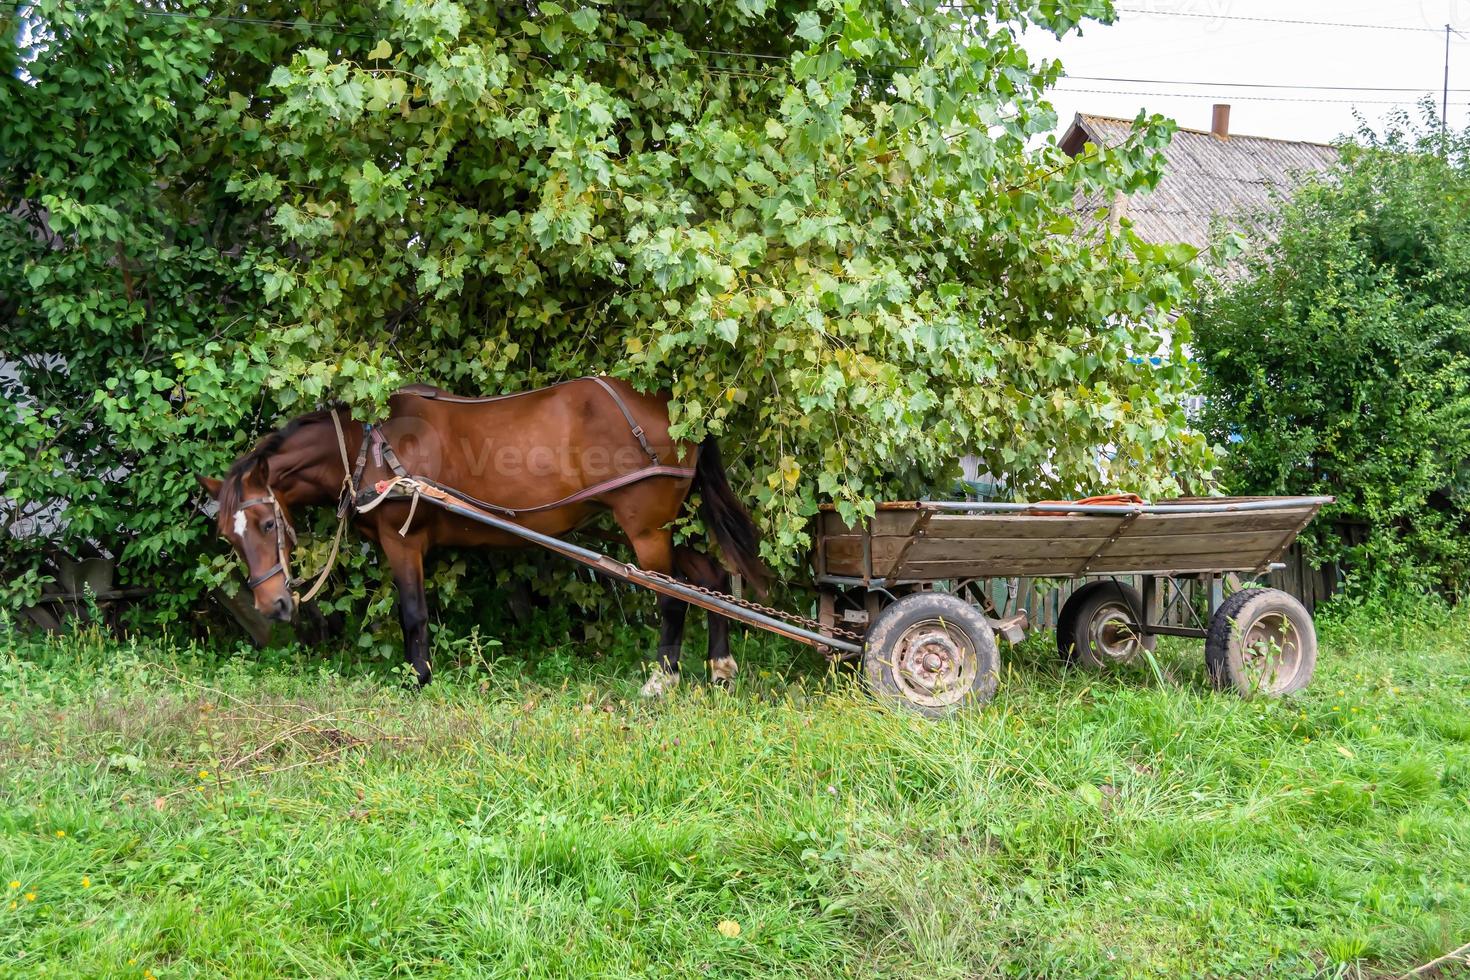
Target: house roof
{"type": "Point", "coordinates": [1205, 176]}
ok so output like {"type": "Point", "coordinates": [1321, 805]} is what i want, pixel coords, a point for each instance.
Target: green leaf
{"type": "Point", "coordinates": [809, 26]}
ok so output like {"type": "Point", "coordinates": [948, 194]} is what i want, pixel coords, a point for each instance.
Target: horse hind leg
{"type": "Point", "coordinates": [705, 572]}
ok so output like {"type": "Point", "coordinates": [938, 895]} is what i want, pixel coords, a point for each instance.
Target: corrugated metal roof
{"type": "Point", "coordinates": [1205, 177]}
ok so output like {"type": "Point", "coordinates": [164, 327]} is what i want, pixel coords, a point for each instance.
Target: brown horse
{"type": "Point", "coordinates": [552, 459]}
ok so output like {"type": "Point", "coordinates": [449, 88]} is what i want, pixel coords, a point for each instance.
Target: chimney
{"type": "Point", "coordinates": [1220, 124]}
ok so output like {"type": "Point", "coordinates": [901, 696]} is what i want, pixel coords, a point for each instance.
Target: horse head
{"type": "Point", "coordinates": [258, 526]}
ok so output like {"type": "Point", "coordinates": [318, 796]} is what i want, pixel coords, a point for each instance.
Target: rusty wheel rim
{"type": "Point", "coordinates": [1111, 635]}
{"type": "Point", "coordinates": [934, 664]}
{"type": "Point", "coordinates": [1270, 653]}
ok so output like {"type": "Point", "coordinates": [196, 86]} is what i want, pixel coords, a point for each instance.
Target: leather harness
{"type": "Point", "coordinates": [374, 437]}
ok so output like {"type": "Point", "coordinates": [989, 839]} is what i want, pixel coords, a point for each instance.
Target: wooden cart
{"type": "Point", "coordinates": [912, 582]}
{"type": "Point", "coordinates": [901, 591]}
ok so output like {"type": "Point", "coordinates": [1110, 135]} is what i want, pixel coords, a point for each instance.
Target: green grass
{"type": "Point", "coordinates": [196, 813]}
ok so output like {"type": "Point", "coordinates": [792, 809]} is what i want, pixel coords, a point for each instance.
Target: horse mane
{"type": "Point", "coordinates": [232, 489]}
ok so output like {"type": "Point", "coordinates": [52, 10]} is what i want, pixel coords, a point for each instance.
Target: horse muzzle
{"type": "Point", "coordinates": [281, 610]}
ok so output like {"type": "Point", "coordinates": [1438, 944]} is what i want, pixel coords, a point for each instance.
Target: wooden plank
{"type": "Point", "coordinates": [1101, 526]}
{"type": "Point", "coordinates": [947, 525]}
{"type": "Point", "coordinates": [883, 523]}
{"type": "Point", "coordinates": [845, 554]}
{"type": "Point", "coordinates": [1257, 543]}
{"type": "Point", "coordinates": [928, 571]}
{"type": "Point", "coordinates": [1063, 567]}
{"type": "Point", "coordinates": [1282, 520]}
{"type": "Point", "coordinates": [1177, 564]}
{"type": "Point", "coordinates": [848, 550]}
{"type": "Point", "coordinates": [1019, 526]}
{"type": "Point", "coordinates": [930, 548]}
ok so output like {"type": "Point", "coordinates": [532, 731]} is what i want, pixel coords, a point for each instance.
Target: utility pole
{"type": "Point", "coordinates": [1444, 110]}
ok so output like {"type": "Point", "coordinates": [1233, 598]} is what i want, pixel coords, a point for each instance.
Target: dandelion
{"type": "Point", "coordinates": [30, 896]}
{"type": "Point", "coordinates": [14, 885]}
{"type": "Point", "coordinates": [60, 834]}
{"type": "Point", "coordinates": [204, 774]}
{"type": "Point", "coordinates": [86, 882]}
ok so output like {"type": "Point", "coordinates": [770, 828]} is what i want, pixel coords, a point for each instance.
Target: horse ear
{"type": "Point", "coordinates": [211, 486]}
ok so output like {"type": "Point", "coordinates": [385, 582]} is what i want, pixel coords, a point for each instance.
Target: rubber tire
{"type": "Point", "coordinates": [1224, 647]}
{"type": "Point", "coordinates": [894, 621]}
{"type": "Point", "coordinates": [1073, 637]}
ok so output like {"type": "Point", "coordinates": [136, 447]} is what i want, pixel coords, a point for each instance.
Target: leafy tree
{"type": "Point", "coordinates": [1340, 357]}
{"type": "Point", "coordinates": [128, 304]}
{"type": "Point", "coordinates": [824, 226]}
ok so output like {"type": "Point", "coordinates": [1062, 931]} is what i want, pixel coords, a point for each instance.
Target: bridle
{"type": "Point", "coordinates": [285, 531]}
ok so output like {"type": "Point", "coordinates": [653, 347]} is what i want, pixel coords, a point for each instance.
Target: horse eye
{"type": "Point", "coordinates": [269, 525]}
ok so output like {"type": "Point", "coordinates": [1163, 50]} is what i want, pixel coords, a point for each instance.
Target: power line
{"type": "Point", "coordinates": [1244, 98]}
{"type": "Point", "coordinates": [1277, 20]}
{"type": "Point", "coordinates": [1269, 85]}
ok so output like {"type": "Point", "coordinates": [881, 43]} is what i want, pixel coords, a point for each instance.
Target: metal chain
{"type": "Point", "coordinates": [793, 618]}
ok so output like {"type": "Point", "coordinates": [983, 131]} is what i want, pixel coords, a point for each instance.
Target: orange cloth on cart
{"type": "Point", "coordinates": [1126, 499]}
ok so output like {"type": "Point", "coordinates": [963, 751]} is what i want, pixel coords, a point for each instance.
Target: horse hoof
{"type": "Point", "coordinates": [722, 673]}
{"type": "Point", "coordinates": [659, 683]}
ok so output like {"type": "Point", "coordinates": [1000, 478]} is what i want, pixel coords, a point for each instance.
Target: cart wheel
{"type": "Point", "coordinates": [1261, 642]}
{"type": "Point", "coordinates": [932, 652]}
{"type": "Point", "coordinates": [1093, 628]}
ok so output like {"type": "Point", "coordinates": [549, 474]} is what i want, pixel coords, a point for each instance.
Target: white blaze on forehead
{"type": "Point", "coordinates": [240, 524]}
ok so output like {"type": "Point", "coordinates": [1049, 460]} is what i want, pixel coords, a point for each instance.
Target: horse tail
{"type": "Point", "coordinates": [727, 519]}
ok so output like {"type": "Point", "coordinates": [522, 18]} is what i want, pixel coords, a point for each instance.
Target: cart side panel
{"type": "Point", "coordinates": [1212, 542]}
{"type": "Point", "coordinates": [908, 545]}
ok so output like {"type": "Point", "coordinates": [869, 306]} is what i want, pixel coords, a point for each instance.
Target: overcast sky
{"type": "Point", "coordinates": [1151, 40]}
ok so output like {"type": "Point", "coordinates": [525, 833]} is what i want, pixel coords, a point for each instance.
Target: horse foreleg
{"type": "Point", "coordinates": [705, 572]}
{"type": "Point", "coordinates": [655, 550]}
{"type": "Point", "coordinates": [664, 676]}
{"type": "Point", "coordinates": [406, 558]}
